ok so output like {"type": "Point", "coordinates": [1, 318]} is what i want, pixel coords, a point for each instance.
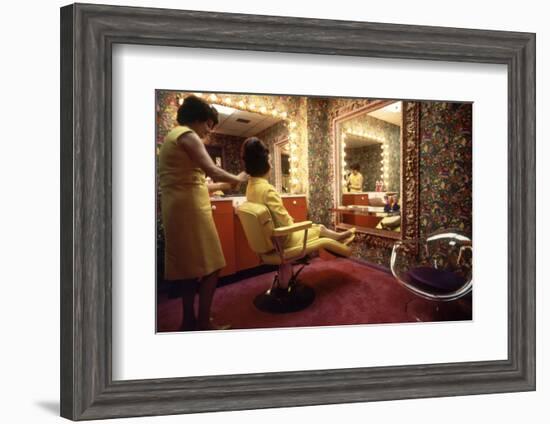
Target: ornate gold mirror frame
{"type": "Point", "coordinates": [410, 150]}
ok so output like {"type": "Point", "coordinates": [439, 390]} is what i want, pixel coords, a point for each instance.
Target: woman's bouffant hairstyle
{"type": "Point", "coordinates": [255, 156]}
{"type": "Point", "coordinates": [355, 167]}
{"type": "Point", "coordinates": [195, 109]}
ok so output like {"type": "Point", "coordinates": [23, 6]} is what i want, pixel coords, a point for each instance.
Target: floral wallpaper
{"type": "Point", "coordinates": [231, 155]}
{"type": "Point", "coordinates": [320, 165]}
{"type": "Point", "coordinates": [445, 167]}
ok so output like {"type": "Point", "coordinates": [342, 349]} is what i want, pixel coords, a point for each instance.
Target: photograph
{"type": "Point", "coordinates": [280, 211]}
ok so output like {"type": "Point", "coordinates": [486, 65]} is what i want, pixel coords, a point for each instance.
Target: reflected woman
{"type": "Point", "coordinates": [255, 156]}
{"type": "Point", "coordinates": [355, 179]}
{"type": "Point", "coordinates": [193, 253]}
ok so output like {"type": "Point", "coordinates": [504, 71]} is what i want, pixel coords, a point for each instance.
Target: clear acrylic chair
{"type": "Point", "coordinates": [437, 268]}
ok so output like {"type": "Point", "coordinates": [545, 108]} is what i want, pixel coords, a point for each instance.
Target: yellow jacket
{"type": "Point", "coordinates": [260, 191]}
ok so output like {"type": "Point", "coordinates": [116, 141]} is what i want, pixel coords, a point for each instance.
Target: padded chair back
{"type": "Point", "coordinates": [257, 225]}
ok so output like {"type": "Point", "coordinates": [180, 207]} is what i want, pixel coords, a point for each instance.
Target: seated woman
{"type": "Point", "coordinates": [255, 156]}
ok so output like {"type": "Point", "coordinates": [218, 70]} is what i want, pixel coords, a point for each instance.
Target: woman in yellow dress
{"type": "Point", "coordinates": [355, 179]}
{"type": "Point", "coordinates": [255, 156]}
{"type": "Point", "coordinates": [193, 253]}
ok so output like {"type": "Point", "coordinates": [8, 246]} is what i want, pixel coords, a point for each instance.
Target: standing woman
{"type": "Point", "coordinates": [193, 253]}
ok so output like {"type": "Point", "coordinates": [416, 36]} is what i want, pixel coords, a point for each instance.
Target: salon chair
{"type": "Point", "coordinates": [437, 268]}
{"type": "Point", "coordinates": [286, 294]}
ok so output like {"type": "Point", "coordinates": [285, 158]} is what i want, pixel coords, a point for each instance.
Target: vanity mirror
{"type": "Point", "coordinates": [376, 169]}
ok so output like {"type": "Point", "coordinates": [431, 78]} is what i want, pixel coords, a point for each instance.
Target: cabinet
{"type": "Point", "coordinates": [356, 199]}
{"type": "Point", "coordinates": [296, 207]}
{"type": "Point", "coordinates": [223, 213]}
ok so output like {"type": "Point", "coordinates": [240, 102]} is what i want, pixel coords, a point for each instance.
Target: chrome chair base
{"type": "Point", "coordinates": [278, 300]}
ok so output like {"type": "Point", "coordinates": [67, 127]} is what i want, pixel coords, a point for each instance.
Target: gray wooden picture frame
{"type": "Point", "coordinates": [88, 33]}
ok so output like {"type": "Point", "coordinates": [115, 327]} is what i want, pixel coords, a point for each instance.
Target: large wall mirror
{"type": "Point", "coordinates": [376, 172]}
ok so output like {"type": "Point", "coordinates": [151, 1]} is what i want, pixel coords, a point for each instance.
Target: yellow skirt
{"type": "Point", "coordinates": [192, 245]}
{"type": "Point", "coordinates": [297, 238]}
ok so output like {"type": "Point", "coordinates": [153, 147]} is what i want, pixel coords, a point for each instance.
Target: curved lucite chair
{"type": "Point", "coordinates": [437, 268]}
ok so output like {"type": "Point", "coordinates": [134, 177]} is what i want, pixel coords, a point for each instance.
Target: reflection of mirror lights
{"type": "Point", "coordinates": [362, 134]}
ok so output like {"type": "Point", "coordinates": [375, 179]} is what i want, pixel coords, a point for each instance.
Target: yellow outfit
{"type": "Point", "coordinates": [355, 182]}
{"type": "Point", "coordinates": [260, 191]}
{"type": "Point", "coordinates": [192, 245]}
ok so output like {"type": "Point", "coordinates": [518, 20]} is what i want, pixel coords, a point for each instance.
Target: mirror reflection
{"type": "Point", "coordinates": [281, 165]}
{"type": "Point", "coordinates": [370, 180]}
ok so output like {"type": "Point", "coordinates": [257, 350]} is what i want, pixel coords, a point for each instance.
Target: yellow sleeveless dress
{"type": "Point", "coordinates": [192, 245]}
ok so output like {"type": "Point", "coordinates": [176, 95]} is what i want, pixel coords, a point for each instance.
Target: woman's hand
{"type": "Point", "coordinates": [243, 178]}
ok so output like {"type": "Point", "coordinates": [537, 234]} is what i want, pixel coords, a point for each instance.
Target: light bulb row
{"type": "Point", "coordinates": [365, 134]}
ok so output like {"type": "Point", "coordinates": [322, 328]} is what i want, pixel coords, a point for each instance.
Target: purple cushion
{"type": "Point", "coordinates": [436, 278]}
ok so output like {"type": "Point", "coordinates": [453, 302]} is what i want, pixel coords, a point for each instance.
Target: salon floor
{"type": "Point", "coordinates": [346, 292]}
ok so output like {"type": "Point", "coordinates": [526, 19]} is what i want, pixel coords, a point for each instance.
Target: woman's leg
{"type": "Point", "coordinates": [207, 287]}
{"type": "Point", "coordinates": [325, 232]}
{"type": "Point", "coordinates": [188, 290]}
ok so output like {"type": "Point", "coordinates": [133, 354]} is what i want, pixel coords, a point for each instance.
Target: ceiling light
{"type": "Point", "coordinates": [224, 110]}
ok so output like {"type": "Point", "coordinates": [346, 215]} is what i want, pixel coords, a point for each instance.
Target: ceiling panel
{"type": "Point", "coordinates": [230, 125]}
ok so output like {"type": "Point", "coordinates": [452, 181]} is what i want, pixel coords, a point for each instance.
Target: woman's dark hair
{"type": "Point", "coordinates": [255, 156]}
{"type": "Point", "coordinates": [355, 167]}
{"type": "Point", "coordinates": [195, 109]}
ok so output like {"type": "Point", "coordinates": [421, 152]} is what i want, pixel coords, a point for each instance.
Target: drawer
{"type": "Point", "coordinates": [355, 199]}
{"type": "Point", "coordinates": [348, 199]}
{"type": "Point", "coordinates": [361, 199]}
{"type": "Point", "coordinates": [222, 207]}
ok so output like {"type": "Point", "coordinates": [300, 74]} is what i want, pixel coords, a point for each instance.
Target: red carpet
{"type": "Point", "coordinates": [347, 292]}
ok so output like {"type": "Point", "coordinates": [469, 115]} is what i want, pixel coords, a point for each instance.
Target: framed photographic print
{"type": "Point", "coordinates": [366, 239]}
